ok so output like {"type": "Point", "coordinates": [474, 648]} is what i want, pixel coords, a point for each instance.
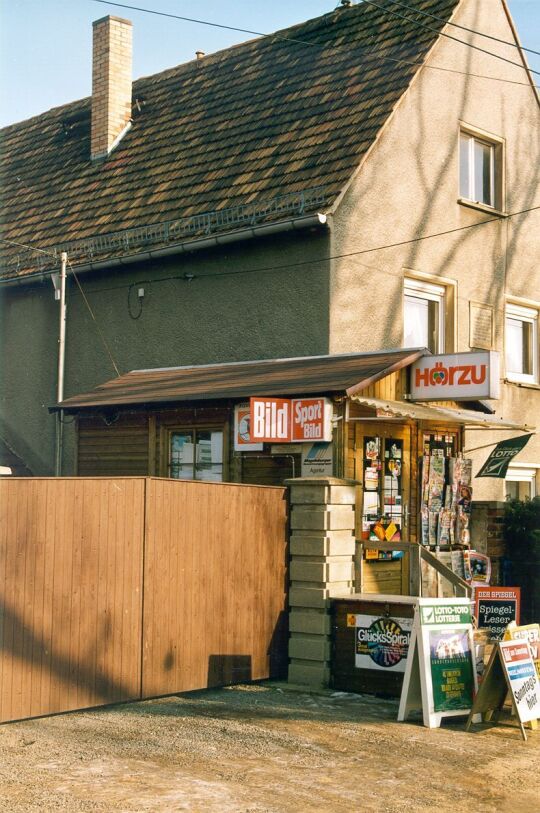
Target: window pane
{"type": "Point", "coordinates": [209, 460]}
{"type": "Point", "coordinates": [482, 173]}
{"type": "Point", "coordinates": [182, 456]}
{"type": "Point", "coordinates": [519, 346]}
{"type": "Point", "coordinates": [433, 326]}
{"type": "Point", "coordinates": [416, 322]}
{"type": "Point", "coordinates": [464, 173]}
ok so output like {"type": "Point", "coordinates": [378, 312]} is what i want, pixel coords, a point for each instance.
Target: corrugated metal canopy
{"type": "Point", "coordinates": [295, 376]}
{"type": "Point", "coordinates": [421, 412]}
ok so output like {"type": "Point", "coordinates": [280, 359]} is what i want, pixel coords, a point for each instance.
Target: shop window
{"type": "Point", "coordinates": [383, 514]}
{"type": "Point", "coordinates": [480, 170]}
{"type": "Point", "coordinates": [520, 483]}
{"type": "Point", "coordinates": [424, 315]}
{"type": "Point", "coordinates": [196, 454]}
{"type": "Point", "coordinates": [521, 344]}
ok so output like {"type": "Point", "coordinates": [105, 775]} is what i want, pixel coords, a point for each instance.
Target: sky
{"type": "Point", "coordinates": [45, 45]}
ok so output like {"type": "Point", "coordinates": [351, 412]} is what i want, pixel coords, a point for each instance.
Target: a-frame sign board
{"type": "Point", "coordinates": [440, 676]}
{"type": "Point", "coordinates": [510, 670]}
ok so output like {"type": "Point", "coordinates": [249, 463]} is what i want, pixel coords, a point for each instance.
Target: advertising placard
{"type": "Point", "coordinates": [495, 608]}
{"type": "Point", "coordinates": [455, 377]}
{"type": "Point", "coordinates": [522, 679]}
{"type": "Point", "coordinates": [529, 633]}
{"type": "Point", "coordinates": [382, 643]}
{"type": "Point", "coordinates": [290, 420]}
{"type": "Point", "coordinates": [317, 460]}
{"type": "Point", "coordinates": [502, 455]}
{"type": "Point", "coordinates": [440, 677]}
{"type": "Point", "coordinates": [242, 434]}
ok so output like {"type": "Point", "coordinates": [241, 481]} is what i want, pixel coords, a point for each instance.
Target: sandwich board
{"type": "Point", "coordinates": [510, 669]}
{"type": "Point", "coordinates": [440, 675]}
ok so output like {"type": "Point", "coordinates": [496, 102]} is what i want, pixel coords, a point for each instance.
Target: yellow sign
{"type": "Point", "coordinates": [531, 634]}
{"type": "Point", "coordinates": [351, 620]}
{"type": "Point", "coordinates": [390, 531]}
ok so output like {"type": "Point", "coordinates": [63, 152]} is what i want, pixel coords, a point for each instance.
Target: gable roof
{"type": "Point", "coordinates": [305, 375]}
{"type": "Point", "coordinates": [274, 125]}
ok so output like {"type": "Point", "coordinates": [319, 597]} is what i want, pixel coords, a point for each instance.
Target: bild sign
{"type": "Point", "coordinates": [290, 420]}
{"type": "Point", "coordinates": [455, 377]}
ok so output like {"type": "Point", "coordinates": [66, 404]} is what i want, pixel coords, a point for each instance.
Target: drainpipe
{"type": "Point", "coordinates": [61, 366]}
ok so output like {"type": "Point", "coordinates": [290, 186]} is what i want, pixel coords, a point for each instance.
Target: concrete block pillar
{"type": "Point", "coordinates": [322, 547]}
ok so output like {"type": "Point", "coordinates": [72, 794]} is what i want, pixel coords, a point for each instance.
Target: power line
{"type": "Point", "coordinates": [440, 33]}
{"type": "Point", "coordinates": [300, 263]}
{"type": "Point", "coordinates": [370, 54]}
{"type": "Point", "coordinates": [101, 335]}
{"type": "Point", "coordinates": [30, 248]}
{"type": "Point", "coordinates": [464, 28]}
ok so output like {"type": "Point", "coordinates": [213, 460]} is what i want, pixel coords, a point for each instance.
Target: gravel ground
{"type": "Point", "coordinates": [263, 749]}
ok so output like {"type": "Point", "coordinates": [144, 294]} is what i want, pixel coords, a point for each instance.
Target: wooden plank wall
{"type": "Point", "coordinates": [215, 585]}
{"type": "Point", "coordinates": [70, 578]}
{"type": "Point", "coordinates": [117, 449]}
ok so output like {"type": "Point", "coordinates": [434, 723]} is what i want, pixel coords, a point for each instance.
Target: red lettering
{"type": "Point", "coordinates": [422, 377]}
{"type": "Point", "coordinates": [478, 379]}
{"type": "Point", "coordinates": [465, 372]}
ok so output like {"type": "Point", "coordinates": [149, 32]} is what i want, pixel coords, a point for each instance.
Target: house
{"type": "Point", "coordinates": [306, 214]}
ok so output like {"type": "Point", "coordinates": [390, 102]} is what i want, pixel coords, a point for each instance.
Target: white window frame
{"type": "Point", "coordinates": [529, 316]}
{"type": "Point", "coordinates": [495, 169]}
{"type": "Point", "coordinates": [418, 289]}
{"type": "Point", "coordinates": [522, 474]}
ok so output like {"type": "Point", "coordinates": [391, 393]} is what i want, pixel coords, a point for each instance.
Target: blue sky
{"type": "Point", "coordinates": [45, 45]}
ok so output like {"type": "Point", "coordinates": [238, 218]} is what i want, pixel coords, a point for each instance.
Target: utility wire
{"type": "Point", "coordinates": [464, 28]}
{"type": "Point", "coordinates": [370, 54]}
{"type": "Point", "coordinates": [102, 337]}
{"type": "Point", "coordinates": [300, 263]}
{"type": "Point", "coordinates": [386, 10]}
{"type": "Point", "coordinates": [30, 248]}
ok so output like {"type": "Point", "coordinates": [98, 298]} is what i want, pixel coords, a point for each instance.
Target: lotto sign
{"type": "Point", "coordinates": [290, 420]}
{"type": "Point", "coordinates": [496, 607]}
{"type": "Point", "coordinates": [455, 377]}
{"type": "Point", "coordinates": [382, 643]}
{"type": "Point", "coordinates": [440, 678]}
{"type": "Point", "coordinates": [523, 680]}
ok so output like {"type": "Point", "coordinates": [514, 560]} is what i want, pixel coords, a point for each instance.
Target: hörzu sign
{"type": "Point", "coordinates": [455, 377]}
{"type": "Point", "coordinates": [290, 420]}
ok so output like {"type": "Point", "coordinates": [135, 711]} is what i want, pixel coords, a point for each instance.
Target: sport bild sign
{"type": "Point", "coordinates": [455, 377]}
{"type": "Point", "coordinates": [290, 420]}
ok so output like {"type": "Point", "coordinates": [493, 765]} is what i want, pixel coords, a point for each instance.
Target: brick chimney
{"type": "Point", "coordinates": [111, 84]}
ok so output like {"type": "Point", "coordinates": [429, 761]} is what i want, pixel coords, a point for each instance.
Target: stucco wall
{"type": "Point", "coordinates": [227, 312]}
{"type": "Point", "coordinates": [408, 187]}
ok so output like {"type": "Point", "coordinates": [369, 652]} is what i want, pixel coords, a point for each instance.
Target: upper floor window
{"type": "Point", "coordinates": [480, 170]}
{"type": "Point", "coordinates": [423, 315]}
{"type": "Point", "coordinates": [520, 483]}
{"type": "Point", "coordinates": [521, 343]}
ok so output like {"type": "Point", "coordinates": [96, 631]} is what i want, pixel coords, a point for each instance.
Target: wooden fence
{"type": "Point", "coordinates": [118, 589]}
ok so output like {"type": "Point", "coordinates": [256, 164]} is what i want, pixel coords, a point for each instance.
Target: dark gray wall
{"type": "Point", "coordinates": [230, 311]}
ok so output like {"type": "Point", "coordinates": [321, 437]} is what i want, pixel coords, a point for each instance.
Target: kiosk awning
{"type": "Point", "coordinates": [422, 412]}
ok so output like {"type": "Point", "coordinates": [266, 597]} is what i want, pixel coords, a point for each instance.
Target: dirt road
{"type": "Point", "coordinates": [259, 749]}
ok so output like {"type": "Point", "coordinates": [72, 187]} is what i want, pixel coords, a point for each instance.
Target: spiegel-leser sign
{"type": "Point", "coordinates": [455, 377]}
{"type": "Point", "coordinates": [290, 420]}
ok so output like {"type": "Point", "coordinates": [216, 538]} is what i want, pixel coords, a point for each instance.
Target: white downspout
{"type": "Point", "coordinates": [61, 366]}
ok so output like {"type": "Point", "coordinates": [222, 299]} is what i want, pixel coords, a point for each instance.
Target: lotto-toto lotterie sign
{"type": "Point", "coordinates": [522, 678]}
{"type": "Point", "coordinates": [290, 420]}
{"type": "Point", "coordinates": [495, 608]}
{"type": "Point", "coordinates": [382, 643]}
{"type": "Point", "coordinates": [502, 455]}
{"type": "Point", "coordinates": [456, 377]}
{"type": "Point", "coordinates": [450, 655]}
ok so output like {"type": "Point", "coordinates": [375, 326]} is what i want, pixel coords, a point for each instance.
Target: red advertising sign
{"type": "Point", "coordinates": [290, 420]}
{"type": "Point", "coordinates": [496, 607]}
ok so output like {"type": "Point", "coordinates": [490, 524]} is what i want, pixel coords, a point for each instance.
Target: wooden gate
{"type": "Point", "coordinates": [118, 589]}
